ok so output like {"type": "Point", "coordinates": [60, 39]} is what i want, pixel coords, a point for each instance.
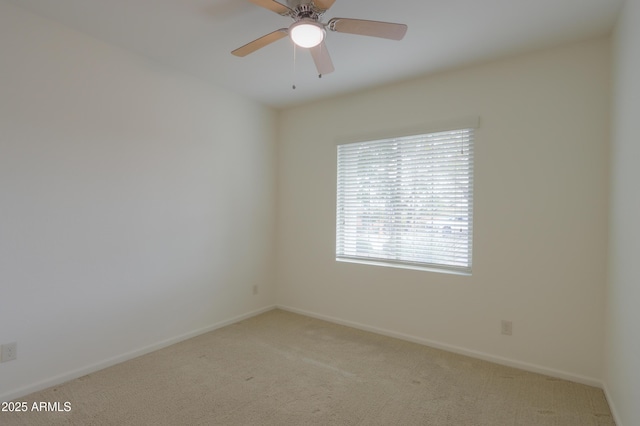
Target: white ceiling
{"type": "Point", "coordinates": [197, 36]}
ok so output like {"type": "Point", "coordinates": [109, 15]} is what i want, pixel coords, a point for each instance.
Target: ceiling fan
{"type": "Point", "coordinates": [307, 31]}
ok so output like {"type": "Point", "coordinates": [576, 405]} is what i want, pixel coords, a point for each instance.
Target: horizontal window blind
{"type": "Point", "coordinates": [407, 200]}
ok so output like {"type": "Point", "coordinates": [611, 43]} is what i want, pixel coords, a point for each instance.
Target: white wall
{"type": "Point", "coordinates": [136, 204]}
{"type": "Point", "coordinates": [541, 198]}
{"type": "Point", "coordinates": [622, 364]}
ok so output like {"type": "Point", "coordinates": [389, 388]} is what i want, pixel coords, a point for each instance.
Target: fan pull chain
{"type": "Point", "coordinates": [294, 67]}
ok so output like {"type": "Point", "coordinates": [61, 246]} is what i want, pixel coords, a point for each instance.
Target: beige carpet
{"type": "Point", "coordinates": [281, 368]}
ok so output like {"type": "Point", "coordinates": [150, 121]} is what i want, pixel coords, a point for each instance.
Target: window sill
{"type": "Point", "coordinates": [414, 267]}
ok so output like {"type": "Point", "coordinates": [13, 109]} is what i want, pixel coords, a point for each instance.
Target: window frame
{"type": "Point", "coordinates": [471, 123]}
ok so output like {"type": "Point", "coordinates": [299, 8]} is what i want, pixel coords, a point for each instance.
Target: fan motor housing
{"type": "Point", "coordinates": [301, 9]}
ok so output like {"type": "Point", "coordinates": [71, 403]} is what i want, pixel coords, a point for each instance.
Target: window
{"type": "Point", "coordinates": [407, 201]}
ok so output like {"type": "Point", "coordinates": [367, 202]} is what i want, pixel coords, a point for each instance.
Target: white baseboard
{"type": "Point", "coordinates": [612, 406]}
{"type": "Point", "coordinates": [455, 349]}
{"type": "Point", "coordinates": [71, 375]}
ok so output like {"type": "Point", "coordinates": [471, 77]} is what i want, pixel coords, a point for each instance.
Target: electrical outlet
{"type": "Point", "coordinates": [255, 289]}
{"type": "Point", "coordinates": [507, 328]}
{"type": "Point", "coordinates": [8, 352]}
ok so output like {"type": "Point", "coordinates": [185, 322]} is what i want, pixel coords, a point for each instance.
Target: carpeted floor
{"type": "Point", "coordinates": [281, 368]}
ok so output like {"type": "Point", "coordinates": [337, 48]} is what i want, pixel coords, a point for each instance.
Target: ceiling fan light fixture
{"type": "Point", "coordinates": [307, 33]}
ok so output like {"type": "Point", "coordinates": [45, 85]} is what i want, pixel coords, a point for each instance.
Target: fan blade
{"type": "Point", "coordinates": [368, 28]}
{"type": "Point", "coordinates": [322, 59]}
{"type": "Point", "coordinates": [261, 42]}
{"type": "Point", "coordinates": [273, 6]}
{"type": "Point", "coordinates": [323, 4]}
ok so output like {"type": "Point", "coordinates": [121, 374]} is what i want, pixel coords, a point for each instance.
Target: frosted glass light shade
{"type": "Point", "coordinates": [307, 33]}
